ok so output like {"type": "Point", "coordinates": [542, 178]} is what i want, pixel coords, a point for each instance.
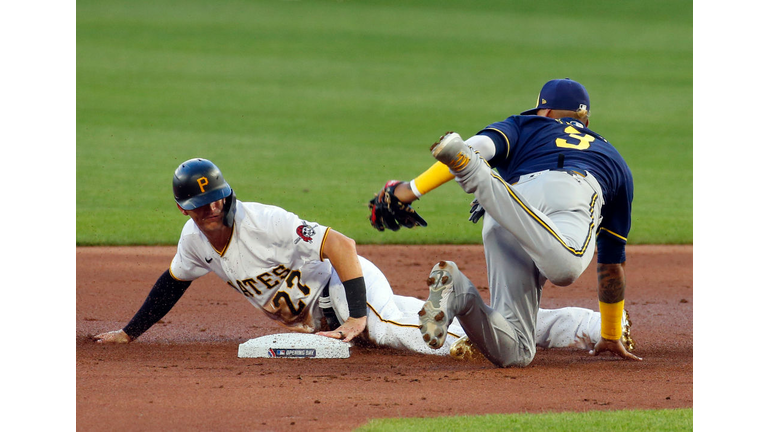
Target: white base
{"type": "Point", "coordinates": [293, 345]}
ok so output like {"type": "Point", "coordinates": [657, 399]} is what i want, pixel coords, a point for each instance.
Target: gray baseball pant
{"type": "Point", "coordinates": [542, 227]}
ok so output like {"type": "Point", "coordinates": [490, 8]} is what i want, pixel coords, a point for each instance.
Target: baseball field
{"type": "Point", "coordinates": [312, 106]}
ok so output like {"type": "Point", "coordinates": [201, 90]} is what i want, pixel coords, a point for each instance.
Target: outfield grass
{"type": "Point", "coordinates": [313, 105]}
{"type": "Point", "coordinates": [593, 421]}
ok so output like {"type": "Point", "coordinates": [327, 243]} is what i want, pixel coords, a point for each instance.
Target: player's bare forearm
{"type": "Point", "coordinates": [342, 251]}
{"type": "Point", "coordinates": [611, 282]}
{"type": "Point", "coordinates": [404, 193]}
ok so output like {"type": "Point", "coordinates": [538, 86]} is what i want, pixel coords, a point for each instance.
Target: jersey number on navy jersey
{"type": "Point", "coordinates": [583, 140]}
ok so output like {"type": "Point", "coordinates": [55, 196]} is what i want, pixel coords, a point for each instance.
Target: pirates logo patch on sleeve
{"type": "Point", "coordinates": [305, 233]}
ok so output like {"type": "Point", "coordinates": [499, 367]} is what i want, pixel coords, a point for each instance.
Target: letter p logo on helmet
{"type": "Point", "coordinates": [202, 182]}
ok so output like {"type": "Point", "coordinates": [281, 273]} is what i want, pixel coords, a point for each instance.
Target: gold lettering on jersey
{"type": "Point", "coordinates": [266, 279]}
{"type": "Point", "coordinates": [240, 288]}
{"type": "Point", "coordinates": [250, 283]}
{"type": "Point", "coordinates": [584, 140]}
{"type": "Point", "coordinates": [293, 280]}
{"type": "Point", "coordinates": [202, 182]}
{"type": "Point", "coordinates": [269, 279]}
{"type": "Point", "coordinates": [272, 278]}
{"type": "Point", "coordinates": [281, 271]}
{"type": "Point", "coordinates": [294, 309]}
{"type": "Point", "coordinates": [295, 277]}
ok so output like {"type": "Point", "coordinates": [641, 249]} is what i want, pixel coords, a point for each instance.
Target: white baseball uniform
{"type": "Point", "coordinates": [275, 259]}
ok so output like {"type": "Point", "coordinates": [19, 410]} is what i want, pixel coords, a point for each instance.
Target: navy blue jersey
{"type": "Point", "coordinates": [528, 144]}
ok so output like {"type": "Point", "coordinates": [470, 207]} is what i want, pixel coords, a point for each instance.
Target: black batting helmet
{"type": "Point", "coordinates": [198, 182]}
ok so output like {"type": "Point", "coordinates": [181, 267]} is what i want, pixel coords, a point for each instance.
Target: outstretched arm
{"type": "Point", "coordinates": [434, 177]}
{"type": "Point", "coordinates": [161, 299]}
{"type": "Point", "coordinates": [390, 208]}
{"type": "Point", "coordinates": [342, 251]}
{"type": "Point", "coordinates": [439, 174]}
{"type": "Point", "coordinates": [611, 284]}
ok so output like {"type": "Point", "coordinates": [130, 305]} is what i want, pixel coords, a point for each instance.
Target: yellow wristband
{"type": "Point", "coordinates": [438, 174]}
{"type": "Point", "coordinates": [610, 320]}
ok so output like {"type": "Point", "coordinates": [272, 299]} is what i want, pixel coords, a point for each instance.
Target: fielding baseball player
{"type": "Point", "coordinates": [302, 274]}
{"type": "Point", "coordinates": [558, 190]}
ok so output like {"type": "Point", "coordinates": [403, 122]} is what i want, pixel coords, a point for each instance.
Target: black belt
{"type": "Point", "coordinates": [328, 312]}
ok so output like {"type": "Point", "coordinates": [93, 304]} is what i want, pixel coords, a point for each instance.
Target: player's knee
{"type": "Point", "coordinates": [521, 363]}
{"type": "Point", "coordinates": [519, 354]}
{"type": "Point", "coordinates": [563, 268]}
{"type": "Point", "coordinates": [563, 279]}
{"type": "Point", "coordinates": [565, 273]}
{"type": "Point", "coordinates": [518, 361]}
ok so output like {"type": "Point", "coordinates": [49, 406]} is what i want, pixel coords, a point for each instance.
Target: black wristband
{"type": "Point", "coordinates": [356, 299]}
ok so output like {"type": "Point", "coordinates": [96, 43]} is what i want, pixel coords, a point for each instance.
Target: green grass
{"type": "Point", "coordinates": [613, 421]}
{"type": "Point", "coordinates": [313, 105]}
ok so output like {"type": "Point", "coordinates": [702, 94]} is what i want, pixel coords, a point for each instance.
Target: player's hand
{"type": "Point", "coordinates": [347, 331]}
{"type": "Point", "coordinates": [476, 211]}
{"type": "Point", "coordinates": [117, 336]}
{"type": "Point", "coordinates": [389, 212]}
{"type": "Point", "coordinates": [613, 347]}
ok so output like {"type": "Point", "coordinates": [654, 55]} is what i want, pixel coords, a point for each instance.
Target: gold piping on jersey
{"type": "Point", "coordinates": [398, 324]}
{"type": "Point", "coordinates": [505, 139]}
{"type": "Point", "coordinates": [174, 276]}
{"type": "Point", "coordinates": [322, 244]}
{"type": "Point", "coordinates": [531, 213]}
{"type": "Point", "coordinates": [229, 240]}
{"type": "Point", "coordinates": [613, 233]}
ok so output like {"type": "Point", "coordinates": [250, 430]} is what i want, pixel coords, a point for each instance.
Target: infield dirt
{"type": "Point", "coordinates": [184, 373]}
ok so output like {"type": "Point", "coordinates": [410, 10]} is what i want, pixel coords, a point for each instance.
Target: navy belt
{"type": "Point", "coordinates": [570, 171]}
